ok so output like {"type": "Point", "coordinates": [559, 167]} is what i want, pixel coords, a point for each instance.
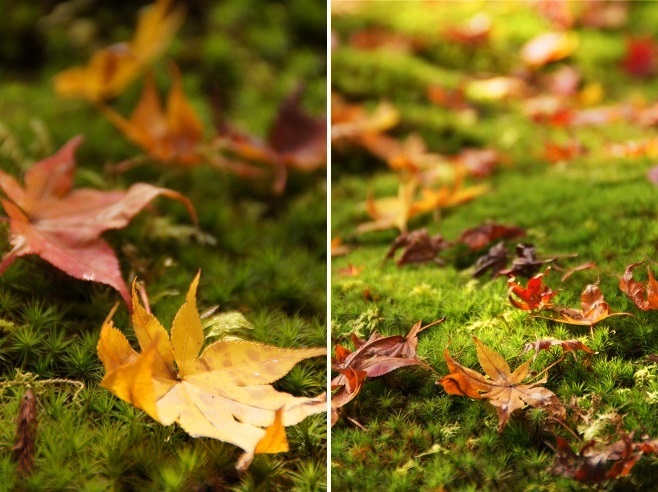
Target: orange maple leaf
{"type": "Point", "coordinates": [500, 386]}
{"type": "Point", "coordinates": [593, 309]}
{"type": "Point", "coordinates": [112, 69]}
{"type": "Point", "coordinates": [224, 392]}
{"type": "Point", "coordinates": [170, 135]}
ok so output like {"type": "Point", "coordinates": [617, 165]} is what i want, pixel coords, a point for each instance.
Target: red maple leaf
{"type": "Point", "coordinates": [63, 226]}
{"type": "Point", "coordinates": [536, 295]}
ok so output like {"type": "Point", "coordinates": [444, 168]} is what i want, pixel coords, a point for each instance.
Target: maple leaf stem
{"type": "Point", "coordinates": [553, 364]}
{"type": "Point", "coordinates": [566, 427]}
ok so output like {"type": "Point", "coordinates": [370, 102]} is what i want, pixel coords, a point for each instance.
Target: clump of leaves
{"type": "Point", "coordinates": [596, 463]}
{"type": "Point", "coordinates": [224, 392]}
{"type": "Point", "coordinates": [63, 226]}
{"type": "Point", "coordinates": [501, 387]}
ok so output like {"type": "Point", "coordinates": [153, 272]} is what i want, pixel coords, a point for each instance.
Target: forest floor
{"type": "Point", "coordinates": [570, 139]}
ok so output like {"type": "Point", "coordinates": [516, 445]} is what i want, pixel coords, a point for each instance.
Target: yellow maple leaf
{"type": "Point", "coordinates": [110, 70]}
{"type": "Point", "coordinates": [413, 200]}
{"type": "Point", "coordinates": [223, 392]}
{"type": "Point", "coordinates": [167, 135]}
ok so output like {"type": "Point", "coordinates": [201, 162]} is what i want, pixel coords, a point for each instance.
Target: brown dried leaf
{"type": "Point", "coordinates": [26, 433]}
{"type": "Point", "coordinates": [479, 237]}
{"type": "Point", "coordinates": [419, 247]}
{"type": "Point", "coordinates": [500, 386]}
{"type": "Point", "coordinates": [593, 309]}
{"type": "Point", "coordinates": [644, 295]}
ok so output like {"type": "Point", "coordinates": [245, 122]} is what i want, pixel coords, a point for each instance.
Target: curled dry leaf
{"type": "Point", "coordinates": [526, 262]}
{"type": "Point", "coordinates": [595, 463]}
{"type": "Point", "coordinates": [419, 247]}
{"type": "Point", "coordinates": [112, 69]}
{"type": "Point", "coordinates": [593, 309]}
{"type": "Point", "coordinates": [536, 295]}
{"type": "Point", "coordinates": [567, 345]}
{"type": "Point", "coordinates": [500, 385]}
{"type": "Point", "coordinates": [169, 135]}
{"type": "Point", "coordinates": [495, 260]}
{"type": "Point", "coordinates": [223, 391]}
{"type": "Point", "coordinates": [479, 237]}
{"type": "Point", "coordinates": [374, 357]}
{"type": "Point", "coordinates": [63, 226]}
{"type": "Point", "coordinates": [643, 294]}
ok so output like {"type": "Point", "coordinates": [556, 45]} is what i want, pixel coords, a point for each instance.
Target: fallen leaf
{"type": "Point", "coordinates": [351, 270]}
{"type": "Point", "coordinates": [350, 122]}
{"type": "Point", "coordinates": [548, 47]}
{"type": "Point", "coordinates": [526, 262]}
{"type": "Point", "coordinates": [495, 260]}
{"type": "Point", "coordinates": [338, 248]}
{"type": "Point", "coordinates": [170, 135]}
{"type": "Point", "coordinates": [604, 15]}
{"type": "Point", "coordinates": [224, 392]}
{"type": "Point", "coordinates": [536, 295]}
{"type": "Point", "coordinates": [496, 89]}
{"type": "Point", "coordinates": [63, 226]}
{"type": "Point", "coordinates": [641, 58]}
{"type": "Point", "coordinates": [374, 357]}
{"type": "Point", "coordinates": [500, 386]}
{"type": "Point", "coordinates": [379, 39]}
{"type": "Point", "coordinates": [595, 463]}
{"type": "Point", "coordinates": [546, 343]}
{"type": "Point", "coordinates": [112, 69]}
{"type": "Point", "coordinates": [296, 140]}
{"type": "Point", "coordinates": [644, 295]}
{"type": "Point", "coordinates": [593, 309]}
{"type": "Point", "coordinates": [479, 163]}
{"type": "Point", "coordinates": [419, 247]}
{"type": "Point", "coordinates": [479, 237]}
{"type": "Point", "coordinates": [555, 152]}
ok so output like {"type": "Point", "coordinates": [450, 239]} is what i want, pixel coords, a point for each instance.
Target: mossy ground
{"type": "Point", "coordinates": [415, 436]}
{"type": "Point", "coordinates": [268, 260]}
